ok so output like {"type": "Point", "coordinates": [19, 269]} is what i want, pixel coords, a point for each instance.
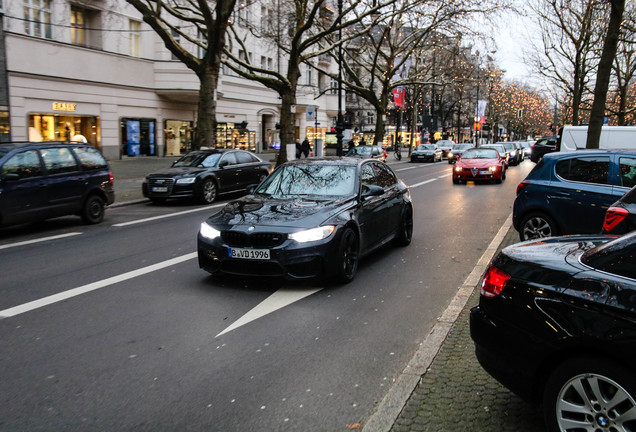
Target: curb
{"type": "Point", "coordinates": [392, 404]}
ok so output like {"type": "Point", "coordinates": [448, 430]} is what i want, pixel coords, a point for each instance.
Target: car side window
{"type": "Point", "coordinates": [58, 160]}
{"type": "Point", "coordinates": [384, 176]}
{"type": "Point", "coordinates": [627, 168]}
{"type": "Point", "coordinates": [90, 158]}
{"type": "Point", "coordinates": [25, 164]}
{"type": "Point", "coordinates": [243, 157]}
{"type": "Point", "coordinates": [587, 169]}
{"type": "Point", "coordinates": [210, 160]}
{"type": "Point", "coordinates": [230, 158]}
{"type": "Point", "coordinates": [367, 176]}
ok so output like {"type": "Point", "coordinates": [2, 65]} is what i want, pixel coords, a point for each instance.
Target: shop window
{"type": "Point", "coordinates": [5, 127]}
{"type": "Point", "coordinates": [178, 135]}
{"type": "Point", "coordinates": [55, 127]}
{"type": "Point", "coordinates": [138, 137]}
{"type": "Point", "coordinates": [37, 18]}
{"type": "Point", "coordinates": [231, 136]}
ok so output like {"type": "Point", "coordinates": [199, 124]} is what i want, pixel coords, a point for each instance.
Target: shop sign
{"type": "Point", "coordinates": [63, 106]}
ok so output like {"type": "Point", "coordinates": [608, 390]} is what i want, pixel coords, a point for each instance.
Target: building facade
{"type": "Point", "coordinates": [93, 70]}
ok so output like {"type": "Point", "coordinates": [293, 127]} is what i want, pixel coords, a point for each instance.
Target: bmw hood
{"type": "Point", "coordinates": [263, 213]}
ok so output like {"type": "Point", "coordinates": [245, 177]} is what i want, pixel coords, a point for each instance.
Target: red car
{"type": "Point", "coordinates": [480, 164]}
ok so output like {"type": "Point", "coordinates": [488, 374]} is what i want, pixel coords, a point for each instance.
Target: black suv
{"type": "Point", "coordinates": [45, 180]}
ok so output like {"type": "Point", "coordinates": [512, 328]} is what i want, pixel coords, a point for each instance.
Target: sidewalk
{"type": "Point", "coordinates": [453, 392]}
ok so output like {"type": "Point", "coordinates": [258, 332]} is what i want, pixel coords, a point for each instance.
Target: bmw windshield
{"type": "Point", "coordinates": [310, 180]}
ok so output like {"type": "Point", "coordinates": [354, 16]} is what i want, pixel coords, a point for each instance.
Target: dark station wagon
{"type": "Point", "coordinates": [46, 180]}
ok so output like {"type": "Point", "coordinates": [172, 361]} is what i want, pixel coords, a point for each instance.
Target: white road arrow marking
{"type": "Point", "coordinates": [281, 298]}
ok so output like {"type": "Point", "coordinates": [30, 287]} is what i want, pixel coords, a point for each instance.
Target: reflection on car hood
{"type": "Point", "coordinates": [256, 210]}
{"type": "Point", "coordinates": [176, 172]}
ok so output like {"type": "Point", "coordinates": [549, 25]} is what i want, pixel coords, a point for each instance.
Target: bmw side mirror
{"type": "Point", "coordinates": [251, 189]}
{"type": "Point", "coordinates": [223, 164]}
{"type": "Point", "coordinates": [371, 190]}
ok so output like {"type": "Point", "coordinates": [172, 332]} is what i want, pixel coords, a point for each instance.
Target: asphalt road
{"type": "Point", "coordinates": [137, 338]}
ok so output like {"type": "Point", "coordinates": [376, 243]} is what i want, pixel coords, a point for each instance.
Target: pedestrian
{"type": "Point", "coordinates": [305, 147]}
{"type": "Point", "coordinates": [298, 150]}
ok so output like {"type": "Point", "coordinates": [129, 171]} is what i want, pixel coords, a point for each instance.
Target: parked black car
{"type": "Point", "coordinates": [204, 174]}
{"type": "Point", "coordinates": [620, 218]}
{"type": "Point", "coordinates": [569, 193]}
{"type": "Point", "coordinates": [46, 180]}
{"type": "Point", "coordinates": [541, 147]}
{"type": "Point", "coordinates": [556, 324]}
{"type": "Point", "coordinates": [310, 218]}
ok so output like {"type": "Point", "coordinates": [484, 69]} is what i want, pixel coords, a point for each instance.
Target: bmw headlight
{"type": "Point", "coordinates": [208, 231]}
{"type": "Point", "coordinates": [450, 154]}
{"type": "Point", "coordinates": [186, 180]}
{"type": "Point", "coordinates": [313, 234]}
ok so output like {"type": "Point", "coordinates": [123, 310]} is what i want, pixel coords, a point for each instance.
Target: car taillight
{"type": "Point", "coordinates": [613, 217]}
{"type": "Point", "coordinates": [521, 186]}
{"type": "Point", "coordinates": [111, 179]}
{"type": "Point", "coordinates": [494, 282]}
{"type": "Point", "coordinates": [385, 153]}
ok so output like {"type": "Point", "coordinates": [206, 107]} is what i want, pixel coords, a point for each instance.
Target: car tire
{"type": "Point", "coordinates": [207, 192]}
{"type": "Point", "coordinates": [349, 255]}
{"type": "Point", "coordinates": [503, 173]}
{"type": "Point", "coordinates": [537, 225]}
{"type": "Point", "coordinates": [591, 393]}
{"type": "Point", "coordinates": [413, 160]}
{"type": "Point", "coordinates": [93, 210]}
{"type": "Point", "coordinates": [455, 181]}
{"type": "Point", "coordinates": [405, 230]}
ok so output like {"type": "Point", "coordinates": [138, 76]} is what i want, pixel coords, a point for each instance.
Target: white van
{"type": "Point", "coordinates": [612, 137]}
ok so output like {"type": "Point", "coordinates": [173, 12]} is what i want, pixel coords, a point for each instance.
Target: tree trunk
{"type": "Point", "coordinates": [206, 114]}
{"type": "Point", "coordinates": [604, 72]}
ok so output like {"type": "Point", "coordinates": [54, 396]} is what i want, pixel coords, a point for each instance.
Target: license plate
{"type": "Point", "coordinates": [485, 172]}
{"type": "Point", "coordinates": [254, 254]}
{"type": "Point", "coordinates": [160, 189]}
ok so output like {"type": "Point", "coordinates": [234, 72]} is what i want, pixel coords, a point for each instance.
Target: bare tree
{"type": "Point", "coordinates": [567, 53]}
{"type": "Point", "coordinates": [300, 31]}
{"type": "Point", "coordinates": [622, 100]}
{"type": "Point", "coordinates": [421, 33]}
{"type": "Point", "coordinates": [608, 56]}
{"type": "Point", "coordinates": [197, 23]}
